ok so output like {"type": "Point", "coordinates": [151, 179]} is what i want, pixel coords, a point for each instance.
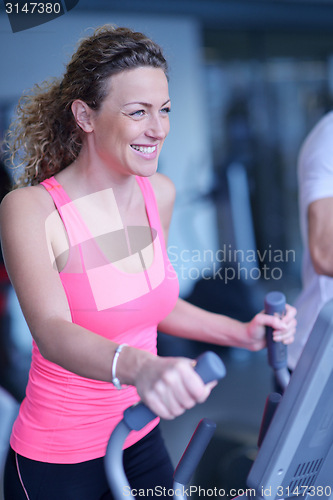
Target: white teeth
{"type": "Point", "coordinates": [143, 149]}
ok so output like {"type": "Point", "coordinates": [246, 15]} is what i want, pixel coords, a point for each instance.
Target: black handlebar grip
{"type": "Point", "coordinates": [194, 451]}
{"type": "Point", "coordinates": [275, 302]}
{"type": "Point", "coordinates": [208, 365]}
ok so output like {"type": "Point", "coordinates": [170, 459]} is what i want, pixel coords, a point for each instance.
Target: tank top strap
{"type": "Point", "coordinates": [151, 204]}
{"type": "Point", "coordinates": [76, 228]}
{"type": "Point", "coordinates": [59, 195]}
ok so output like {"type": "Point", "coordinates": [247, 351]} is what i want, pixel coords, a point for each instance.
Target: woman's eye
{"type": "Point", "coordinates": [166, 110]}
{"type": "Point", "coordinates": [140, 112]}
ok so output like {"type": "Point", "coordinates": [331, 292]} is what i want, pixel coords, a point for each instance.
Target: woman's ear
{"type": "Point", "coordinates": [82, 114]}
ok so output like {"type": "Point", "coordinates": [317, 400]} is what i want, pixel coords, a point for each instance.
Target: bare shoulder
{"type": "Point", "coordinates": [164, 189]}
{"type": "Point", "coordinates": [23, 214]}
{"type": "Point", "coordinates": [26, 202]}
{"type": "Point", "coordinates": [30, 196]}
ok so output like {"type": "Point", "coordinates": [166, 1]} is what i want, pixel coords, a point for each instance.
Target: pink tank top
{"type": "Point", "coordinates": [66, 418]}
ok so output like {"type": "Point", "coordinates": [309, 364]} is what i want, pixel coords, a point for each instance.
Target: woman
{"type": "Point", "coordinates": [84, 245]}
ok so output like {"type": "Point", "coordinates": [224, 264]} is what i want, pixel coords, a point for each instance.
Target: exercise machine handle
{"type": "Point", "coordinates": [194, 451]}
{"type": "Point", "coordinates": [275, 303]}
{"type": "Point", "coordinates": [209, 366]}
{"type": "Point", "coordinates": [272, 402]}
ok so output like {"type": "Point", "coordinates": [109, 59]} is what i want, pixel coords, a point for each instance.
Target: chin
{"type": "Point", "coordinates": [148, 171]}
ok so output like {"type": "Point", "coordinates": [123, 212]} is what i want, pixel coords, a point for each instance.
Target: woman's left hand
{"type": "Point", "coordinates": [283, 329]}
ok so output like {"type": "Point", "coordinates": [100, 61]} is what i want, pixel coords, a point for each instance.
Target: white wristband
{"type": "Point", "coordinates": [115, 380]}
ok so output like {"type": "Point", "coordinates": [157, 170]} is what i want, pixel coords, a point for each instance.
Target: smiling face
{"type": "Point", "coordinates": [129, 130]}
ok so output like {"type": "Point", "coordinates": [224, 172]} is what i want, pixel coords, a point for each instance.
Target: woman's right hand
{"type": "Point", "coordinates": [169, 385]}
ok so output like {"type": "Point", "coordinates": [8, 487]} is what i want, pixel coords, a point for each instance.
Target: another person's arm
{"type": "Point", "coordinates": [320, 234]}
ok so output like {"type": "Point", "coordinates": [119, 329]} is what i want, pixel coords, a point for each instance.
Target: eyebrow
{"type": "Point", "coordinates": [147, 104]}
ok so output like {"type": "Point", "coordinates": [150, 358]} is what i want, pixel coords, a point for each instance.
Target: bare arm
{"type": "Point", "coordinates": [320, 234]}
{"type": "Point", "coordinates": [40, 292]}
{"type": "Point", "coordinates": [189, 321]}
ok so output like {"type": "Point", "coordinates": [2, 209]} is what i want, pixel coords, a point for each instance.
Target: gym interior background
{"type": "Point", "coordinates": [248, 80]}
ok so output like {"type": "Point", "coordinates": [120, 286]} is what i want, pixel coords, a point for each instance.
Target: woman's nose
{"type": "Point", "coordinates": [158, 127]}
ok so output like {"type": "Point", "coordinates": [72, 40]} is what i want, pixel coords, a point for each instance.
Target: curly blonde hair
{"type": "Point", "coordinates": [45, 138]}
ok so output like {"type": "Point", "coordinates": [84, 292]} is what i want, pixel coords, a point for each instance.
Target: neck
{"type": "Point", "coordinates": [84, 177]}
